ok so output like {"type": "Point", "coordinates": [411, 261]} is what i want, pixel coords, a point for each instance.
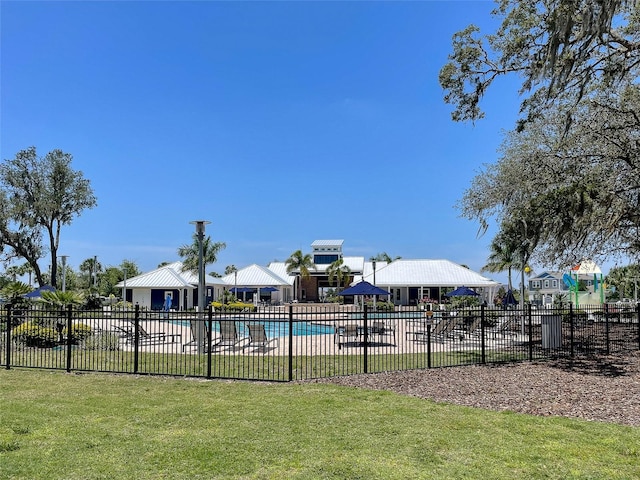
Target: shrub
{"type": "Point", "coordinates": [92, 302]}
{"type": "Point", "coordinates": [234, 306]}
{"type": "Point", "coordinates": [34, 335]}
{"type": "Point", "coordinates": [79, 331]}
{"type": "Point", "coordinates": [381, 306]}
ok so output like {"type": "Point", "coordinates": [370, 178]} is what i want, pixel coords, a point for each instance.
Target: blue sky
{"type": "Point", "coordinates": [279, 122]}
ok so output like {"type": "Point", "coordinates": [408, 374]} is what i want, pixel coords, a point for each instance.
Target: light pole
{"type": "Point", "coordinates": [373, 264]}
{"type": "Point", "coordinates": [64, 272]}
{"type": "Point", "coordinates": [124, 287]}
{"type": "Point", "coordinates": [200, 228]}
{"type": "Point", "coordinates": [95, 272]}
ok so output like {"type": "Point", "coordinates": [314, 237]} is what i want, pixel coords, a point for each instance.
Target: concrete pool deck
{"type": "Point", "coordinates": [407, 338]}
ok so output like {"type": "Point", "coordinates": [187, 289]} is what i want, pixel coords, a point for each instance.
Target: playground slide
{"type": "Point", "coordinates": [568, 280]}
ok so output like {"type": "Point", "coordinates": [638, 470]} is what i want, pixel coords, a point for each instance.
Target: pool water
{"type": "Point", "coordinates": [387, 315]}
{"type": "Point", "coordinates": [281, 329]}
{"type": "Point", "coordinates": [278, 328]}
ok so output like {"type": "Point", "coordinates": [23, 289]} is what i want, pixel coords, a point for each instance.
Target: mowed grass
{"type": "Point", "coordinates": [55, 425]}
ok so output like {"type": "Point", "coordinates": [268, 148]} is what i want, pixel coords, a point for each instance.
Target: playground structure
{"type": "Point", "coordinates": [590, 273]}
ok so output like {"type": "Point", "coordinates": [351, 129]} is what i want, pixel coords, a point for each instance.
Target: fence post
{"type": "Point", "coordinates": [483, 357]}
{"type": "Point", "coordinates": [209, 337]}
{"type": "Point", "coordinates": [136, 337]}
{"type": "Point", "coordinates": [606, 329]}
{"type": "Point", "coordinates": [366, 341]}
{"type": "Point", "coordinates": [69, 335]}
{"type": "Point", "coordinates": [428, 346]}
{"type": "Point", "coordinates": [572, 330]}
{"type": "Point", "coordinates": [290, 372]}
{"type": "Point", "coordinates": [637, 320]}
{"type": "Point", "coordinates": [8, 339]}
{"type": "Point", "coordinates": [530, 332]}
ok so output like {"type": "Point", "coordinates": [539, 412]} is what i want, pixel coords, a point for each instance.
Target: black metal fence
{"type": "Point", "coordinates": [297, 342]}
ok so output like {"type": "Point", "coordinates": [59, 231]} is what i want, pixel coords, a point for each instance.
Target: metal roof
{"type": "Point", "coordinates": [327, 243]}
{"type": "Point", "coordinates": [167, 276]}
{"type": "Point", "coordinates": [280, 269]}
{"type": "Point", "coordinates": [442, 273]}
{"type": "Point", "coordinates": [399, 273]}
{"type": "Point", "coordinates": [255, 276]}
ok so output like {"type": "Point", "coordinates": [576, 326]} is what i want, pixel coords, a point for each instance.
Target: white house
{"type": "Point", "coordinates": [407, 281]}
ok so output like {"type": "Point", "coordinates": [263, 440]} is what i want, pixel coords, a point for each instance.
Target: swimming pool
{"type": "Point", "coordinates": [278, 328]}
{"type": "Point", "coordinates": [281, 329]}
{"type": "Point", "coordinates": [387, 315]}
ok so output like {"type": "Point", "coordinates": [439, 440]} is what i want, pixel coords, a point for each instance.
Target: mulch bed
{"type": "Point", "coordinates": [603, 389]}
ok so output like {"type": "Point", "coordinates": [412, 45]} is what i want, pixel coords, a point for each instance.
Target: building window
{"type": "Point", "coordinates": [324, 259]}
{"type": "Point", "coordinates": [546, 284]}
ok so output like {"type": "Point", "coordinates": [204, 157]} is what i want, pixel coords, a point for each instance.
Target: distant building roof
{"type": "Point", "coordinates": [443, 273]}
{"type": "Point", "coordinates": [280, 269]}
{"type": "Point", "coordinates": [586, 267]}
{"type": "Point", "coordinates": [318, 244]}
{"type": "Point", "coordinates": [255, 276]}
{"type": "Point", "coordinates": [167, 276]}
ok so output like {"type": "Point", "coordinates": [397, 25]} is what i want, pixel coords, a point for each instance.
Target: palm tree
{"type": "Point", "coordinates": [191, 253]}
{"type": "Point", "coordinates": [300, 263]}
{"type": "Point", "coordinates": [91, 267]}
{"type": "Point", "coordinates": [383, 257]}
{"type": "Point", "coordinates": [62, 299]}
{"type": "Point", "coordinates": [338, 271]}
{"type": "Point", "coordinates": [503, 256]}
{"type": "Point", "coordinates": [14, 292]}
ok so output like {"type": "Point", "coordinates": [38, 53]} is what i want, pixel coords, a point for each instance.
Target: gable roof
{"type": "Point", "coordinates": [547, 275]}
{"type": "Point", "coordinates": [280, 269]}
{"type": "Point", "coordinates": [443, 273]}
{"type": "Point", "coordinates": [255, 276]}
{"type": "Point", "coordinates": [167, 276]}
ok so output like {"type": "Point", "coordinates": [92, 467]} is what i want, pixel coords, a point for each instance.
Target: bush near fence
{"type": "Point", "coordinates": [401, 339]}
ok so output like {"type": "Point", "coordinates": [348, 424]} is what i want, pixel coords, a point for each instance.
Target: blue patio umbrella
{"type": "Point", "coordinates": [37, 293]}
{"type": "Point", "coordinates": [462, 292]}
{"type": "Point", "coordinates": [364, 288]}
{"type": "Point", "coordinates": [509, 299]}
{"type": "Point", "coordinates": [268, 289]}
{"type": "Point", "coordinates": [242, 290]}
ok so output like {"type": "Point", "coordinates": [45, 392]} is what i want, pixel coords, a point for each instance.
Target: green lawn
{"type": "Point", "coordinates": [55, 425]}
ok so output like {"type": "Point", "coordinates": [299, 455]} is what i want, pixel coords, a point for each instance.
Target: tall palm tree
{"type": "Point", "coordinates": [302, 264]}
{"type": "Point", "coordinates": [191, 253]}
{"type": "Point", "coordinates": [338, 271]}
{"type": "Point", "coordinates": [91, 267]}
{"type": "Point", "coordinates": [383, 257]}
{"type": "Point", "coordinates": [504, 256]}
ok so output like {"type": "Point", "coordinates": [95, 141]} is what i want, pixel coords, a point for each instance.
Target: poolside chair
{"type": "Point", "coordinates": [509, 326]}
{"type": "Point", "coordinates": [445, 327]}
{"type": "Point", "coordinates": [344, 332]}
{"type": "Point", "coordinates": [258, 337]}
{"type": "Point", "coordinates": [418, 327]}
{"type": "Point", "coordinates": [229, 336]}
{"type": "Point", "coordinates": [127, 331]}
{"type": "Point", "coordinates": [194, 343]}
{"type": "Point", "coordinates": [474, 326]}
{"type": "Point", "coordinates": [383, 329]}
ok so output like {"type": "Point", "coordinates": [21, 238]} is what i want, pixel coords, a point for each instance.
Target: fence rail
{"type": "Point", "coordinates": [298, 342]}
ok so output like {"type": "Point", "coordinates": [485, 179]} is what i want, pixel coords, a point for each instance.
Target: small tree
{"type": "Point", "coordinates": [340, 272]}
{"type": "Point", "coordinates": [39, 194]}
{"type": "Point", "coordinates": [301, 264]}
{"type": "Point", "coordinates": [191, 253]}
